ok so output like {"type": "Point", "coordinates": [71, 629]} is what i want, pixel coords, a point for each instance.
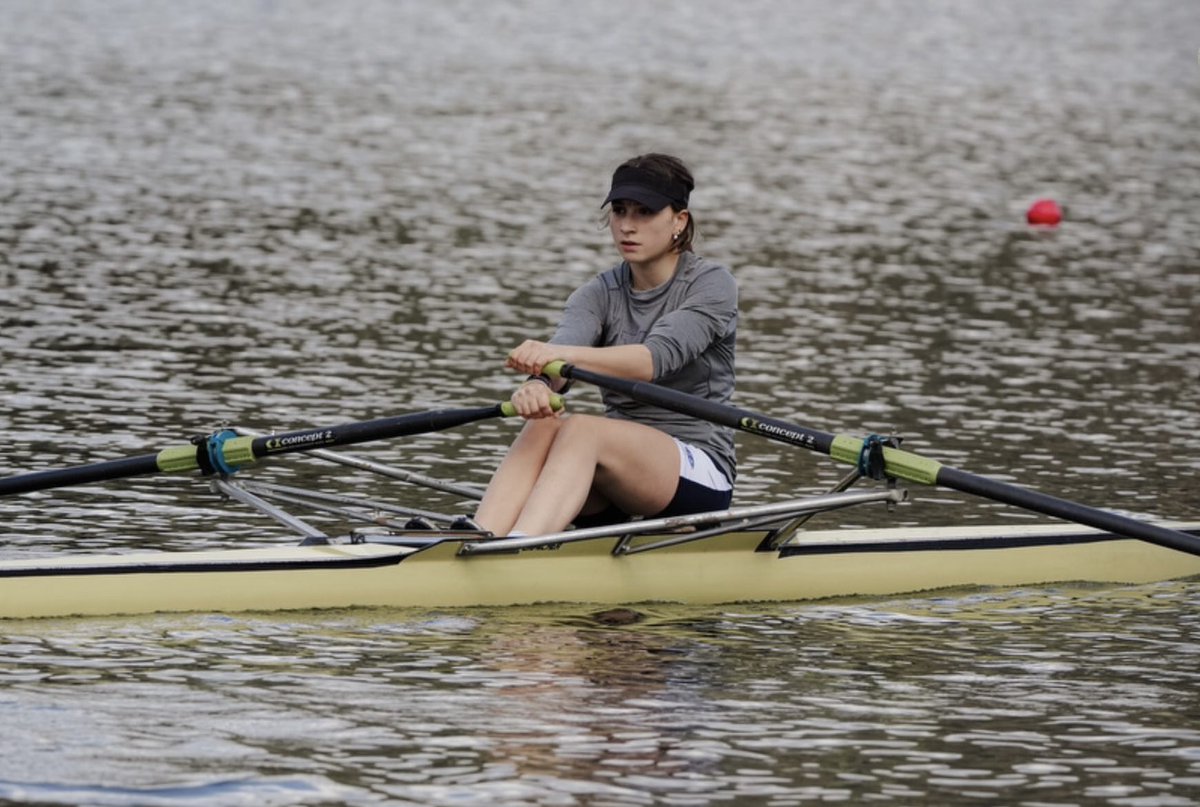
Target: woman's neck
{"type": "Point", "coordinates": [653, 274]}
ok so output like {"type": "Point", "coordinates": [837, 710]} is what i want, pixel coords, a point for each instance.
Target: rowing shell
{"type": "Point", "coordinates": [441, 571]}
{"type": "Point", "coordinates": [745, 554]}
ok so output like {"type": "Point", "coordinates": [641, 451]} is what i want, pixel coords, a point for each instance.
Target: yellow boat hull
{"type": "Point", "coordinates": [733, 567]}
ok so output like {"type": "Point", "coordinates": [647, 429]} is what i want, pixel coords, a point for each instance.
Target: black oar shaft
{"type": "Point", "coordinates": [62, 477]}
{"type": "Point", "coordinates": [238, 451]}
{"type": "Point", "coordinates": [722, 414]}
{"type": "Point", "coordinates": [1067, 510]}
{"type": "Point", "coordinates": [900, 464]}
{"type": "Point", "coordinates": [368, 430]}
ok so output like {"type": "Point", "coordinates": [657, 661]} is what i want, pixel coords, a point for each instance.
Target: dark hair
{"type": "Point", "coordinates": [674, 171]}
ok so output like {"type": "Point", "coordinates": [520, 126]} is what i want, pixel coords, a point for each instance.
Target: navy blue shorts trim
{"type": "Point", "coordinates": [690, 497]}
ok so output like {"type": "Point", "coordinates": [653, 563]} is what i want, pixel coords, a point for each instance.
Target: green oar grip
{"type": "Point", "coordinates": [508, 410]}
{"type": "Point", "coordinates": [236, 451]}
{"type": "Point", "coordinates": [897, 463]}
{"type": "Point", "coordinates": [177, 459]}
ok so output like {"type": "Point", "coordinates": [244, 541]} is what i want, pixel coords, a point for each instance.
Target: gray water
{"type": "Point", "coordinates": [280, 215]}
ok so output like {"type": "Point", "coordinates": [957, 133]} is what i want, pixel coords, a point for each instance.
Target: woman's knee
{"type": "Point", "coordinates": [578, 427]}
{"type": "Point", "coordinates": [541, 430]}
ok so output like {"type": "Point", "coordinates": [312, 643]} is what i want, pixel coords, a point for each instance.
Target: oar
{"type": "Point", "coordinates": [225, 452]}
{"type": "Point", "coordinates": [897, 463]}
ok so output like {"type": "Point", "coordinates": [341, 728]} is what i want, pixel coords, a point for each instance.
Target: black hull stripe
{"type": "Point", "coordinates": [194, 567]}
{"type": "Point", "coordinates": [952, 544]}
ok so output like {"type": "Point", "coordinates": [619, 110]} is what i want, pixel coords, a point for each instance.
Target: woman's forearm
{"type": "Point", "coordinates": [624, 361]}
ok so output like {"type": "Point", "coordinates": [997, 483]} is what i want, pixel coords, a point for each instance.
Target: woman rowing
{"type": "Point", "coordinates": [663, 314]}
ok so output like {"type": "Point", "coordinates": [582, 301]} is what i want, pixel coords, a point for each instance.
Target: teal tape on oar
{"type": "Point", "coordinates": [214, 447]}
{"type": "Point", "coordinates": [871, 463]}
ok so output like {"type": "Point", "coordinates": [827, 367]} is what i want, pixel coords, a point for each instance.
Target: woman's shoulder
{"type": "Point", "coordinates": [611, 279]}
{"type": "Point", "coordinates": [600, 286]}
{"type": "Point", "coordinates": [697, 268]}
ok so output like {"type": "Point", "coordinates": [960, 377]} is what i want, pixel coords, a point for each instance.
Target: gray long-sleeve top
{"type": "Point", "coordinates": [689, 324]}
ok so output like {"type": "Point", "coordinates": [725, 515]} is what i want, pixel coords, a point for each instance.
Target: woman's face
{"type": "Point", "coordinates": [642, 236]}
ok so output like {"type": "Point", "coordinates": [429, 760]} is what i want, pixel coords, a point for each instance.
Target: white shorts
{"type": "Point", "coordinates": [697, 466]}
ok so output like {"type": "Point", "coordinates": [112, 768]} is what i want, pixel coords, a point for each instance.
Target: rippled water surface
{"type": "Point", "coordinates": [286, 214]}
{"type": "Point", "coordinates": [1049, 697]}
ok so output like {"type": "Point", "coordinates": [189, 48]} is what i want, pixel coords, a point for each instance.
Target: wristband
{"type": "Point", "coordinates": [549, 382]}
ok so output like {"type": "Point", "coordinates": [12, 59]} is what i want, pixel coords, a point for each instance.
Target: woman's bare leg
{"type": "Point", "coordinates": [635, 467]}
{"type": "Point", "coordinates": [516, 476]}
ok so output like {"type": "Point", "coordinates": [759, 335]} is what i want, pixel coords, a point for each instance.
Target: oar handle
{"type": "Point", "coordinates": [557, 402]}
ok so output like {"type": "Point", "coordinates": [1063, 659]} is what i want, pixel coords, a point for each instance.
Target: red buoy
{"type": "Point", "coordinates": [1044, 213]}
